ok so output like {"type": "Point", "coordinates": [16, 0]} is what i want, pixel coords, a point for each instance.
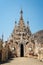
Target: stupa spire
{"type": "Point", "coordinates": [21, 21]}
{"type": "Point", "coordinates": [2, 37]}
{"type": "Point", "coordinates": [21, 14]}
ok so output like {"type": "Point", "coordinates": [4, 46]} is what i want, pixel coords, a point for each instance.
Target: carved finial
{"type": "Point", "coordinates": [27, 22]}
{"type": "Point", "coordinates": [2, 37]}
{"type": "Point", "coordinates": [15, 22]}
{"type": "Point", "coordinates": [21, 13]}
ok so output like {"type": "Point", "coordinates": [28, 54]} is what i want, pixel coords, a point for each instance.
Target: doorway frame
{"type": "Point", "coordinates": [21, 50]}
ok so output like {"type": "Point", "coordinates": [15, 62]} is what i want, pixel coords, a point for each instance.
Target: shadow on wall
{"type": "Point", "coordinates": [10, 58]}
{"type": "Point", "coordinates": [7, 61]}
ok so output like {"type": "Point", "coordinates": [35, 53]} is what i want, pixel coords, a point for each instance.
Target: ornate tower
{"type": "Point", "coordinates": [20, 36]}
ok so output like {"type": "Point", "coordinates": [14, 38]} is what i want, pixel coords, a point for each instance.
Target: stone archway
{"type": "Point", "coordinates": [21, 50]}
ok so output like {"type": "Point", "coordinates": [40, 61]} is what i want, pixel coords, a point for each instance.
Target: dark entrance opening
{"type": "Point", "coordinates": [22, 51]}
{"type": "Point", "coordinates": [0, 55]}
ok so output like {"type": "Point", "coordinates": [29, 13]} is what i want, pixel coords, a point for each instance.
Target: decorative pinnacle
{"type": "Point", "coordinates": [21, 13]}
{"type": "Point", "coordinates": [2, 37]}
{"type": "Point", "coordinates": [15, 22]}
{"type": "Point", "coordinates": [27, 22]}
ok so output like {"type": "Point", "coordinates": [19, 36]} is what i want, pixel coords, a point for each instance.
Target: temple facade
{"type": "Point", "coordinates": [21, 42]}
{"type": "Point", "coordinates": [20, 37]}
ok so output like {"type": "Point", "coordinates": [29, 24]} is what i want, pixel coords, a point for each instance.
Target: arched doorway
{"type": "Point", "coordinates": [21, 50]}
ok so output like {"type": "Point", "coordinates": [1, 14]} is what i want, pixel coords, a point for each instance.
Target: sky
{"type": "Point", "coordinates": [10, 12]}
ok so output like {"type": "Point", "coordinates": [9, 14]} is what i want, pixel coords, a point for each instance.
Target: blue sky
{"type": "Point", "coordinates": [10, 12]}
